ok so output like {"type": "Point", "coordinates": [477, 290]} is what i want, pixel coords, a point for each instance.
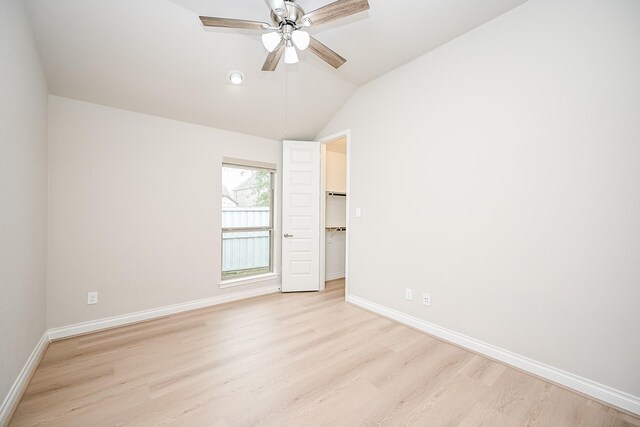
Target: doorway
{"type": "Point", "coordinates": [334, 209]}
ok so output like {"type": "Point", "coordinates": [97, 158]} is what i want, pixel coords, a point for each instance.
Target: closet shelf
{"type": "Point", "coordinates": [334, 228]}
{"type": "Point", "coordinates": [336, 193]}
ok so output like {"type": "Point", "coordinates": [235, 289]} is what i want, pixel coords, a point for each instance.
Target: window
{"type": "Point", "coordinates": [247, 220]}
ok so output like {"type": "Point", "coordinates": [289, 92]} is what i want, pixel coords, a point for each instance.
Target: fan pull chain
{"type": "Point", "coordinates": [286, 101]}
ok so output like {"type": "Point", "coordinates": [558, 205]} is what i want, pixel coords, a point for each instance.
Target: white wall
{"type": "Point", "coordinates": [334, 261]}
{"type": "Point", "coordinates": [336, 172]}
{"type": "Point", "coordinates": [23, 192]}
{"type": "Point", "coordinates": [515, 176]}
{"type": "Point", "coordinates": [135, 209]}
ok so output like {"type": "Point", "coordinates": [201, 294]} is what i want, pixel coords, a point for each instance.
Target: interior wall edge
{"type": "Point", "coordinates": [335, 276]}
{"type": "Point", "coordinates": [619, 399]}
{"type": "Point", "coordinates": [21, 382]}
{"type": "Point", "coordinates": [23, 195]}
{"type": "Point", "coordinates": [19, 386]}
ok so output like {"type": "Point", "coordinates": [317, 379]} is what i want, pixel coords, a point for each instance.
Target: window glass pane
{"type": "Point", "coordinates": [246, 197]}
{"type": "Point", "coordinates": [245, 253]}
{"type": "Point", "coordinates": [246, 203]}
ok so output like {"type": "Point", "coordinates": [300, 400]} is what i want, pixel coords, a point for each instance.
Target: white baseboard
{"type": "Point", "coordinates": [20, 384]}
{"type": "Point", "coordinates": [127, 319]}
{"type": "Point", "coordinates": [582, 385]}
{"type": "Point", "coordinates": [334, 276]}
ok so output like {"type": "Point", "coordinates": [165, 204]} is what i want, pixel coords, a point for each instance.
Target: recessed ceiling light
{"type": "Point", "coordinates": [235, 77]}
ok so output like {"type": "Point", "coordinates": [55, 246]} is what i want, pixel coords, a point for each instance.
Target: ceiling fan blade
{"type": "Point", "coordinates": [209, 21]}
{"type": "Point", "coordinates": [336, 10]}
{"type": "Point", "coordinates": [278, 7]}
{"type": "Point", "coordinates": [273, 58]}
{"type": "Point", "coordinates": [326, 54]}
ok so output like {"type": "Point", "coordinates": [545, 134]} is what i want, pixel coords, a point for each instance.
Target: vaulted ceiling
{"type": "Point", "coordinates": [154, 57]}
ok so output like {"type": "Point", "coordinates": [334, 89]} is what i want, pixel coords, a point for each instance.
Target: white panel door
{"type": "Point", "coordinates": [300, 216]}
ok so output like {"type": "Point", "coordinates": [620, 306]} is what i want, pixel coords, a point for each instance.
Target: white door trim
{"type": "Point", "coordinates": [323, 172]}
{"type": "Point", "coordinates": [323, 209]}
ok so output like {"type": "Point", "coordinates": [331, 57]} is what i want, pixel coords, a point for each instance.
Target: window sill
{"type": "Point", "coordinates": [246, 280]}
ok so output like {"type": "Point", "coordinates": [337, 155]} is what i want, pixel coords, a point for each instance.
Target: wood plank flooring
{"type": "Point", "coordinates": [304, 359]}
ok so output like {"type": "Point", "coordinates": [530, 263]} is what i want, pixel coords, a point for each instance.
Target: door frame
{"type": "Point", "coordinates": [323, 179]}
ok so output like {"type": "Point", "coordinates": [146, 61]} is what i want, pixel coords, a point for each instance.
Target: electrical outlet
{"type": "Point", "coordinates": [92, 298]}
{"type": "Point", "coordinates": [426, 299]}
{"type": "Point", "coordinates": [408, 294]}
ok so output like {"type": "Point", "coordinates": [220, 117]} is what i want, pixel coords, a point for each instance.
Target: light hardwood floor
{"type": "Point", "coordinates": [291, 360]}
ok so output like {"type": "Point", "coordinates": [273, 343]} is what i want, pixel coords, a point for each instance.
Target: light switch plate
{"type": "Point", "coordinates": [358, 212]}
{"type": "Point", "coordinates": [408, 294]}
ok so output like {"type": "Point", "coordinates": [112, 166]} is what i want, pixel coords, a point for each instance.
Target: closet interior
{"type": "Point", "coordinates": [335, 209]}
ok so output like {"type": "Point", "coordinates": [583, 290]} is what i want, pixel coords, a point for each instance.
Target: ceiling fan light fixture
{"type": "Point", "coordinates": [290, 54]}
{"type": "Point", "coordinates": [284, 36]}
{"type": "Point", "coordinates": [235, 77]}
{"type": "Point", "coordinates": [271, 40]}
{"type": "Point", "coordinates": [301, 39]}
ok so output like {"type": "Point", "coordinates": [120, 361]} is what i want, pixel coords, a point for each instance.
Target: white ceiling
{"type": "Point", "coordinates": [154, 57]}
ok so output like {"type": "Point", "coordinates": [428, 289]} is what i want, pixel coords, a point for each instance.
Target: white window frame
{"type": "Point", "coordinates": [272, 228]}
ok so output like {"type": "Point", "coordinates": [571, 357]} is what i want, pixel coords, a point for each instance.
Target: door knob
{"type": "Point", "coordinates": [288, 235]}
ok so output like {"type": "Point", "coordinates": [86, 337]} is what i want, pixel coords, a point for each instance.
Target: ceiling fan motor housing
{"type": "Point", "coordinates": [293, 18]}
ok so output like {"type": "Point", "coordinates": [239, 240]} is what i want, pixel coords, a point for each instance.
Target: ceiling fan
{"type": "Point", "coordinates": [286, 31]}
